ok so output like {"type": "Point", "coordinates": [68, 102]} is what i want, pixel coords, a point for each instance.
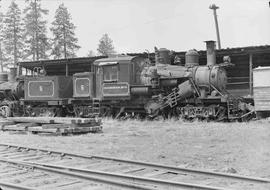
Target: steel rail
{"type": "Point", "coordinates": [113, 175]}
{"type": "Point", "coordinates": [76, 175]}
{"type": "Point", "coordinates": [154, 165]}
{"type": "Point", "coordinates": [19, 187]}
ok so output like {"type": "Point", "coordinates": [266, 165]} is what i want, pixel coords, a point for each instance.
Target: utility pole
{"type": "Point", "coordinates": [36, 32]}
{"type": "Point", "coordinates": [214, 8]}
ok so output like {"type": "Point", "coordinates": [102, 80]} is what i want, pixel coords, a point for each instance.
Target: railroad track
{"type": "Point", "coordinates": [97, 172]}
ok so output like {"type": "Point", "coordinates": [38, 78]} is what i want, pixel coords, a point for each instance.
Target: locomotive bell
{"type": "Point", "coordinates": [192, 58]}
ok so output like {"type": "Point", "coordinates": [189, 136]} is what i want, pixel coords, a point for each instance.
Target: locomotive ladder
{"type": "Point", "coordinates": [96, 107]}
{"type": "Point", "coordinates": [171, 99]}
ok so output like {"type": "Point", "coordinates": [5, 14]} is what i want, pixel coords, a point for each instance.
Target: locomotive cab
{"type": "Point", "coordinates": [116, 76]}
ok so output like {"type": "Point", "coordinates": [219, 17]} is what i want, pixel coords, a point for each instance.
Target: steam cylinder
{"type": "Point", "coordinates": [140, 90]}
{"type": "Point", "coordinates": [192, 58]}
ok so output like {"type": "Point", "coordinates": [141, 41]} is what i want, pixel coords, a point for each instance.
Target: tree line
{"type": "Point", "coordinates": [24, 35]}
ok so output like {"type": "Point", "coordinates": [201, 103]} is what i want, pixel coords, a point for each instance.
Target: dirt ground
{"type": "Point", "coordinates": [243, 148]}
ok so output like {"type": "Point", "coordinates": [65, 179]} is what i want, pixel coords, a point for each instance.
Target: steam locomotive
{"type": "Point", "coordinates": [128, 86]}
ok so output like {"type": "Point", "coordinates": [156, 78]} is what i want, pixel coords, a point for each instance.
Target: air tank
{"type": "Point", "coordinates": [140, 90]}
{"type": "Point", "coordinates": [192, 58]}
{"type": "Point", "coordinates": [162, 56]}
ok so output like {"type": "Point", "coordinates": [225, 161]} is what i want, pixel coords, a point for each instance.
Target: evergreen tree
{"type": "Point", "coordinates": [64, 41]}
{"type": "Point", "coordinates": [36, 39]}
{"type": "Point", "coordinates": [2, 53]}
{"type": "Point", "coordinates": [12, 34]}
{"type": "Point", "coordinates": [1, 39]}
{"type": "Point", "coordinates": [105, 46]}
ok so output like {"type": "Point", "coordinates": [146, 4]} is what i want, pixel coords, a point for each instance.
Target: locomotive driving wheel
{"type": "Point", "coordinates": [5, 111]}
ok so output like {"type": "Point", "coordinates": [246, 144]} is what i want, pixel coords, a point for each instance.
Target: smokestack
{"type": "Point", "coordinates": [211, 52]}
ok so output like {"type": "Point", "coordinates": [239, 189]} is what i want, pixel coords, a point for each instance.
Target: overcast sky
{"type": "Point", "coordinates": [179, 25]}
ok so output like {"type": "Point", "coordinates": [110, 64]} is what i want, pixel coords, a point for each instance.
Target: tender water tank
{"type": "Point", "coordinates": [3, 77]}
{"type": "Point", "coordinates": [192, 58]}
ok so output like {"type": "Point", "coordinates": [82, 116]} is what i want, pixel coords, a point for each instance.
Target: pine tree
{"type": "Point", "coordinates": [105, 46]}
{"type": "Point", "coordinates": [12, 34]}
{"type": "Point", "coordinates": [37, 42]}
{"type": "Point", "coordinates": [1, 45]}
{"type": "Point", "coordinates": [64, 41]}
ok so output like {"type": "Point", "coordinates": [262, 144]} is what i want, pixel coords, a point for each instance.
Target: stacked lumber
{"type": "Point", "coordinates": [51, 125]}
{"type": "Point", "coordinates": [66, 120]}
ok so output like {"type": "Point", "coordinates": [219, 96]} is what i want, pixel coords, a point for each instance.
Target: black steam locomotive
{"type": "Point", "coordinates": [125, 86]}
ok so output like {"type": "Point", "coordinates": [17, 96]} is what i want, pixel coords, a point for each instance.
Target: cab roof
{"type": "Point", "coordinates": [114, 60]}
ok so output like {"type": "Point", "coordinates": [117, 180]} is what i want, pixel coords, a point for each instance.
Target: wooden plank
{"type": "Point", "coordinates": [87, 129]}
{"type": "Point", "coordinates": [60, 126]}
{"type": "Point", "coordinates": [18, 127]}
{"type": "Point", "coordinates": [57, 129]}
{"type": "Point", "coordinates": [27, 124]}
{"type": "Point", "coordinates": [13, 128]}
{"type": "Point", "coordinates": [30, 119]}
{"type": "Point", "coordinates": [40, 129]}
{"type": "Point", "coordinates": [4, 123]}
{"type": "Point", "coordinates": [66, 120]}
{"type": "Point", "coordinates": [72, 126]}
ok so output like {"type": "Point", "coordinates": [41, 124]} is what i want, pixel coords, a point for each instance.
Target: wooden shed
{"type": "Point", "coordinates": [261, 88]}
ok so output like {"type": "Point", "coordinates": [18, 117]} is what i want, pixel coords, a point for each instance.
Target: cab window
{"type": "Point", "coordinates": [110, 73]}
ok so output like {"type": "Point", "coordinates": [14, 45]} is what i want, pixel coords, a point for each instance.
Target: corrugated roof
{"type": "Point", "coordinates": [227, 51]}
{"type": "Point", "coordinates": [82, 64]}
{"type": "Point", "coordinates": [58, 66]}
{"type": "Point", "coordinates": [31, 64]}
